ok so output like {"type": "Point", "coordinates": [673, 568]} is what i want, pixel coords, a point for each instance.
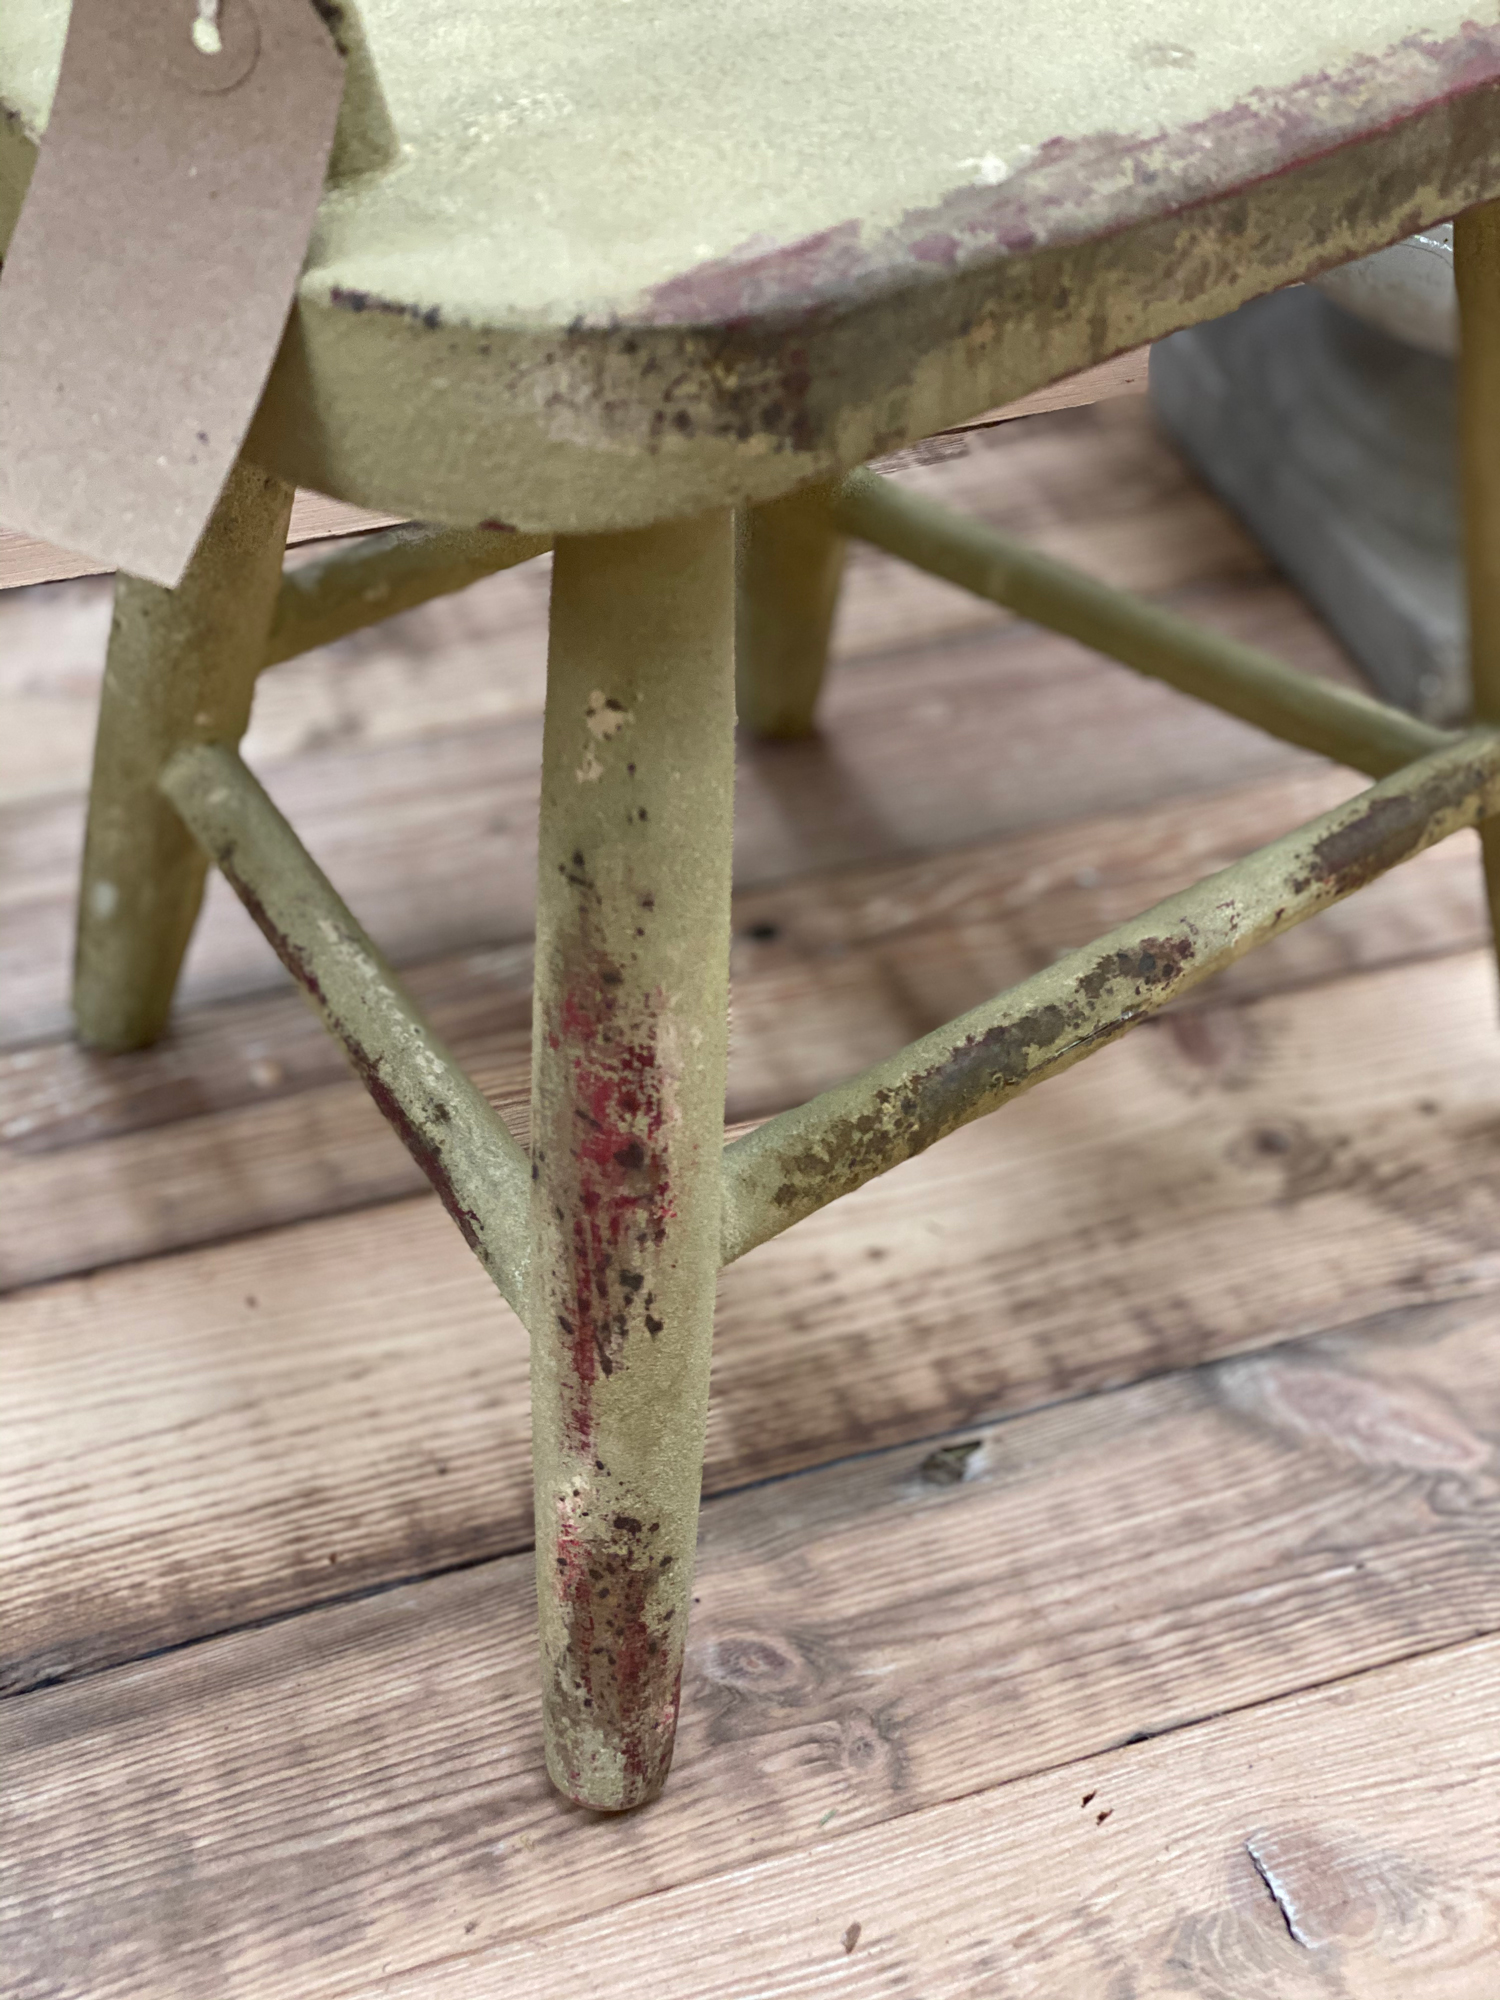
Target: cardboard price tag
{"type": "Point", "coordinates": [149, 278]}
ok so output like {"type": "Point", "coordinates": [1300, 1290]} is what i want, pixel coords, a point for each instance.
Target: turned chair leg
{"type": "Point", "coordinates": [791, 561]}
{"type": "Point", "coordinates": [181, 669]}
{"type": "Point", "coordinates": [1476, 259]}
{"type": "Point", "coordinates": [629, 1043]}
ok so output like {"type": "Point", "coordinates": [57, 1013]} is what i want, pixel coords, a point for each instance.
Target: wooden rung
{"type": "Point", "coordinates": [462, 1145]}
{"type": "Point", "coordinates": [1315, 714]}
{"type": "Point", "coordinates": [805, 1158]}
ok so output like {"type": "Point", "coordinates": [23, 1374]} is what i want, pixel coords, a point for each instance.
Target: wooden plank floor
{"type": "Point", "coordinates": [1099, 1584]}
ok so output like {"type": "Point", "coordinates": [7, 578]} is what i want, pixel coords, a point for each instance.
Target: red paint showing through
{"type": "Point", "coordinates": [630, 1676]}
{"type": "Point", "coordinates": [621, 1195]}
{"type": "Point", "coordinates": [608, 1165]}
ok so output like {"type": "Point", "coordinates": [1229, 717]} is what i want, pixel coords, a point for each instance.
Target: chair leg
{"type": "Point", "coordinates": [1476, 260]}
{"type": "Point", "coordinates": [629, 1044]}
{"type": "Point", "coordinates": [791, 561]}
{"type": "Point", "coordinates": [181, 669]}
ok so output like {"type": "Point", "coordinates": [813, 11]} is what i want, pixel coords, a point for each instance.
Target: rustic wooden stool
{"type": "Point", "coordinates": [625, 274]}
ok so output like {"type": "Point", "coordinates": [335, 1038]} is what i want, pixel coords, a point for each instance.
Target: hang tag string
{"type": "Point", "coordinates": [206, 37]}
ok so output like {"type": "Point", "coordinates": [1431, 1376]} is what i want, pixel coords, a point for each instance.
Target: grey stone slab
{"type": "Point", "coordinates": [1336, 446]}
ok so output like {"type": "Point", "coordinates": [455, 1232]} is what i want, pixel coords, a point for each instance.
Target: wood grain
{"type": "Point", "coordinates": [309, 1806]}
{"type": "Point", "coordinates": [353, 1389]}
{"type": "Point", "coordinates": [1194, 1866]}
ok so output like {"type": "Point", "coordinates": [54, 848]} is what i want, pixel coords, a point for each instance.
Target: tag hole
{"type": "Point", "coordinates": [206, 37]}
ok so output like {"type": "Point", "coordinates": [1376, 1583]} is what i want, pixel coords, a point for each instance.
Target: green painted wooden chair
{"type": "Point", "coordinates": [607, 279]}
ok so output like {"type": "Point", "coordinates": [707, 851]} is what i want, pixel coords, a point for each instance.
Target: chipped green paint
{"type": "Point", "coordinates": [798, 1162]}
{"type": "Point", "coordinates": [381, 574]}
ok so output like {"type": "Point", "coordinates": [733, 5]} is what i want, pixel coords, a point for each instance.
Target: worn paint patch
{"type": "Point", "coordinates": [623, 1188]}
{"type": "Point", "coordinates": [979, 1070]}
{"type": "Point", "coordinates": [619, 1678]}
{"type": "Point", "coordinates": [604, 716]}
{"type": "Point", "coordinates": [1072, 188]}
{"type": "Point", "coordinates": [620, 1193]}
{"type": "Point", "coordinates": [418, 1141]}
{"type": "Point", "coordinates": [1384, 833]}
{"type": "Point", "coordinates": [800, 1161]}
{"type": "Point", "coordinates": [615, 1677]}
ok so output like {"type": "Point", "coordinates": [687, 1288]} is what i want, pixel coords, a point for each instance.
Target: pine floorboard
{"type": "Point", "coordinates": [1138, 1443]}
{"type": "Point", "coordinates": [1187, 1867]}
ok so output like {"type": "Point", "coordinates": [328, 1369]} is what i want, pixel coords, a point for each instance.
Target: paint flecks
{"type": "Point", "coordinates": [605, 716]}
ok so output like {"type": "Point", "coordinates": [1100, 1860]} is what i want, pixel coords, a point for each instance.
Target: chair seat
{"type": "Point", "coordinates": [636, 260]}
